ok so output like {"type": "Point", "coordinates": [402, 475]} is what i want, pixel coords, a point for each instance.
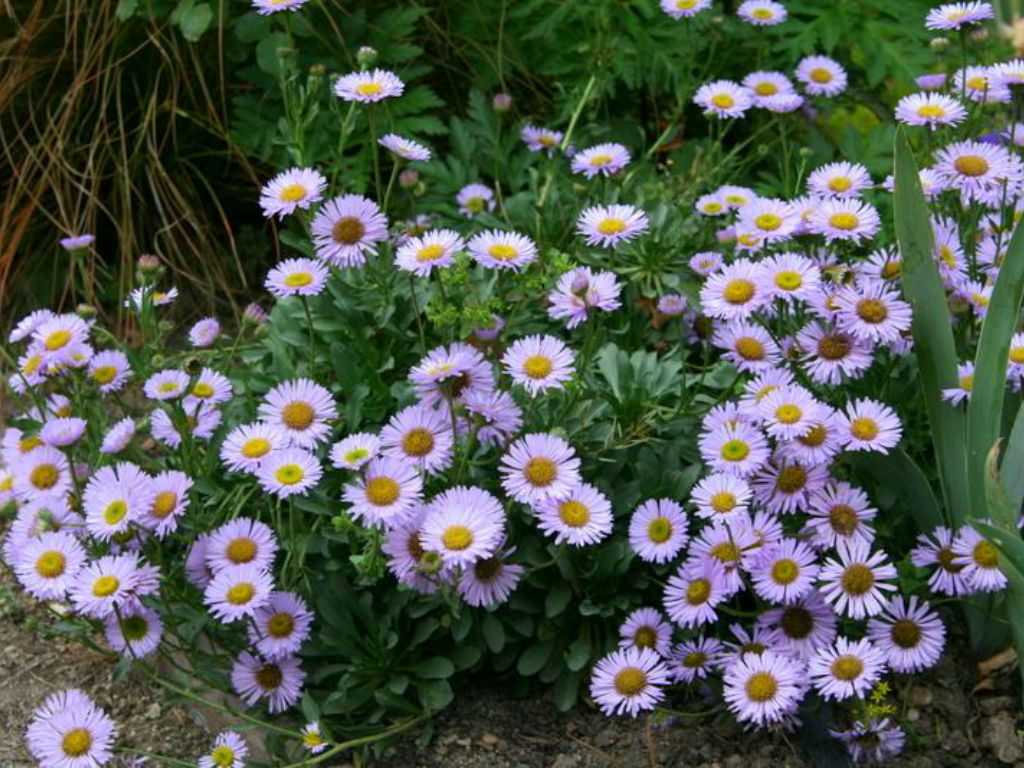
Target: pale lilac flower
{"type": "Point", "coordinates": [581, 517]}
{"type": "Point", "coordinates": [368, 87]}
{"type": "Point", "coordinates": [601, 159]}
{"type": "Point", "coordinates": [763, 689]}
{"type": "Point", "coordinates": [581, 290]}
{"type": "Point", "coordinates": [979, 559]}
{"type": "Point", "coordinates": [609, 226]}
{"type": "Point", "coordinates": [278, 682]}
{"type": "Point", "coordinates": [540, 139]}
{"type": "Point", "coordinates": [204, 333]}
{"type": "Point", "coordinates": [538, 467]}
{"type": "Point", "coordinates": [291, 190]}
{"type": "Point", "coordinates": [952, 16]}
{"type": "Point", "coordinates": [936, 549]}
{"type": "Point", "coordinates": [724, 98]}
{"type": "Point", "coordinates": [474, 199]}
{"type": "Point", "coordinates": [539, 363]}
{"type": "Point", "coordinates": [930, 109]}
{"type": "Point", "coordinates": [846, 669]}
{"type": "Point", "coordinates": [871, 426]}
{"type": "Point", "coordinates": [431, 250]}
{"type": "Point", "coordinates": [463, 525]}
{"type": "Point", "coordinates": [762, 13]}
{"type": "Point", "coordinates": [629, 681]}
{"type": "Point", "coordinates": [855, 582]}
{"type": "Point", "coordinates": [910, 635]}
{"type": "Point", "coordinates": [407, 149]}
{"type": "Point", "coordinates": [821, 76]}
{"type": "Point", "coordinates": [495, 249]}
{"type": "Point", "coordinates": [297, 277]}
{"type": "Point", "coordinates": [658, 530]}
{"type": "Point", "coordinates": [387, 491]}
{"type": "Point", "coordinates": [347, 229]}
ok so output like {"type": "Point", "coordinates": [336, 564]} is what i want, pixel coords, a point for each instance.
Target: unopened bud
{"type": "Point", "coordinates": [366, 56]}
{"type": "Point", "coordinates": [255, 314]}
{"type": "Point", "coordinates": [408, 178]}
{"type": "Point", "coordinates": [148, 264]}
{"type": "Point", "coordinates": [85, 311]}
{"type": "Point", "coordinates": [430, 564]}
{"type": "Point", "coordinates": [502, 102]}
{"type": "Point", "coordinates": [939, 43]}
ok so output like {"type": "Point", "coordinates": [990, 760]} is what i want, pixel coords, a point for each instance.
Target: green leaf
{"type": "Point", "coordinates": [266, 52]}
{"type": "Point", "coordinates": [435, 694]}
{"type": "Point", "coordinates": [932, 328]}
{"type": "Point", "coordinates": [126, 9]}
{"type": "Point", "coordinates": [985, 407]}
{"type": "Point", "coordinates": [494, 633]}
{"type": "Point", "coordinates": [557, 600]}
{"type": "Point", "coordinates": [194, 21]}
{"type": "Point", "coordinates": [997, 503]}
{"type": "Point", "coordinates": [907, 481]}
{"type": "Point", "coordinates": [1013, 463]}
{"type": "Point", "coordinates": [437, 668]}
{"type": "Point", "coordinates": [465, 656]}
{"type": "Point", "coordinates": [578, 655]}
{"type": "Point", "coordinates": [534, 658]}
{"type": "Point", "coordinates": [567, 690]}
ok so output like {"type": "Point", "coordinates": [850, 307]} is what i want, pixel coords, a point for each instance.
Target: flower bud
{"type": "Point", "coordinates": [85, 311]}
{"type": "Point", "coordinates": [430, 564]}
{"type": "Point", "coordinates": [366, 56]}
{"type": "Point", "coordinates": [408, 178]}
{"type": "Point", "coordinates": [502, 102]}
{"type": "Point", "coordinates": [939, 43]}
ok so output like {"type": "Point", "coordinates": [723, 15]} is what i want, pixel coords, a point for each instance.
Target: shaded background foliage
{"type": "Point", "coordinates": [152, 122]}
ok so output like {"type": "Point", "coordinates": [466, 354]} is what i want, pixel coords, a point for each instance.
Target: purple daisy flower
{"type": "Point", "coordinates": [420, 434]}
{"type": "Point", "coordinates": [871, 426]}
{"type": "Point", "coordinates": [281, 626]}
{"type": "Point", "coordinates": [229, 749]}
{"type": "Point", "coordinates": [539, 363]}
{"type": "Point", "coordinates": [802, 628]}
{"type": "Point", "coordinates": [297, 277]}
{"type": "Point", "coordinates": [241, 541]}
{"type": "Point", "coordinates": [724, 99]}
{"type": "Point", "coordinates": [495, 249]}
{"type": "Point", "coordinates": [684, 9]}
{"type": "Point", "coordinates": [580, 518]}
{"type": "Point", "coordinates": [116, 497]}
{"type": "Point", "coordinates": [737, 449]}
{"type": "Point", "coordinates": [763, 689]}
{"type": "Point", "coordinates": [821, 76]}
{"type": "Point", "coordinates": [580, 290]}
{"type": "Point", "coordinates": [694, 591]}
{"type": "Point", "coordinates": [80, 735]}
{"type": "Point", "coordinates": [734, 292]}
{"type": "Point", "coordinates": [936, 549]}
{"type": "Point", "coordinates": [368, 87]}
{"type": "Point", "coordinates": [474, 199]}
{"type": "Point", "coordinates": [301, 408]}
{"type": "Point", "coordinates": [846, 669]}
{"type": "Point", "coordinates": [490, 580]}
{"type": "Point", "coordinates": [387, 490]}
{"type": "Point", "coordinates": [355, 450]}
{"type": "Point", "coordinates": [721, 496]}
{"type": "Point", "coordinates": [840, 512]}
{"type": "Point", "coordinates": [952, 16]}
{"type": "Point", "coordinates": [405, 555]}
{"type": "Point", "coordinates": [629, 681]}
{"type": "Point", "coordinates": [347, 229]}
{"type": "Point", "coordinates": [48, 564]}
{"type": "Point", "coordinates": [247, 445]}
{"type": "Point", "coordinates": [135, 631]}
{"type": "Point", "coordinates": [933, 110]}
{"type": "Point", "coordinates": [432, 250]}
{"type": "Point", "coordinates": [855, 582]}
{"type": "Point", "coordinates": [407, 149]}
{"type": "Point", "coordinates": [601, 159]}
{"type": "Point", "coordinates": [538, 467]}
{"type": "Point", "coordinates": [110, 370]}
{"type": "Point", "coordinates": [878, 742]}
{"type": "Point", "coordinates": [658, 530]}
{"type": "Point", "coordinates": [204, 333]}
{"type": "Point", "coordinates": [694, 659]}
{"type": "Point", "coordinates": [289, 472]}
{"type": "Point", "coordinates": [762, 13]}
{"type": "Point", "coordinates": [499, 414]}
{"type": "Point", "coordinates": [168, 384]}
{"type": "Point", "coordinates": [540, 139]}
{"type": "Point", "coordinates": [786, 572]}
{"type": "Point", "coordinates": [278, 682]}
{"type": "Point", "coordinates": [291, 190]}
{"type": "Point", "coordinates": [980, 561]}
{"type": "Point", "coordinates": [909, 633]}
{"type": "Point", "coordinates": [238, 592]}
{"type": "Point", "coordinates": [831, 354]}
{"type": "Point", "coordinates": [463, 525]}
{"type": "Point", "coordinates": [646, 628]}
{"type": "Point", "coordinates": [748, 346]}
{"type": "Point", "coordinates": [170, 491]}
{"type": "Point", "coordinates": [609, 226]}
{"type": "Point", "coordinates": [111, 582]}
{"type": "Point", "coordinates": [451, 372]}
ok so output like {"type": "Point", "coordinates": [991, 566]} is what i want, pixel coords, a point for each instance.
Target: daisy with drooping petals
{"type": "Point", "coordinates": [47, 565]}
{"type": "Point", "coordinates": [737, 449]}
{"type": "Point", "coordinates": [278, 682]}
{"type": "Point", "coordinates": [871, 426]}
{"type": "Point", "coordinates": [658, 530]}
{"type": "Point", "coordinates": [301, 409]}
{"type": "Point", "coordinates": [539, 363]}
{"type": "Point", "coordinates": [802, 628]}
{"type": "Point", "coordinates": [934, 110]}
{"type": "Point", "coordinates": [646, 628]}
{"type": "Point", "coordinates": [297, 277]}
{"type": "Point", "coordinates": [495, 249]}
{"type": "Point", "coordinates": [432, 250]}
{"type": "Point", "coordinates": [499, 416]}
{"type": "Point", "coordinates": [603, 159]}
{"type": "Point", "coordinates": [421, 435]}
{"type": "Point", "coordinates": [855, 583]}
{"type": "Point", "coordinates": [451, 372]}
{"type": "Point", "coordinates": [979, 559]}
{"type": "Point", "coordinates": [609, 226]}
{"type": "Point", "coordinates": [672, 305]}
{"type": "Point", "coordinates": [840, 512]}
{"type": "Point", "coordinates": [684, 9]}
{"type": "Point", "coordinates": [241, 541]}
{"type": "Point", "coordinates": [71, 732]}
{"type": "Point", "coordinates": [909, 634]}
{"type": "Point", "coordinates": [407, 149]}
{"type": "Point", "coordinates": [118, 436]}
{"type": "Point", "coordinates": [763, 689]}
{"type": "Point", "coordinates": [762, 13]}
{"type": "Point", "coordinates": [229, 749]}
{"type": "Point", "coordinates": [734, 292]}
{"type": "Point", "coordinates": [110, 370]}
{"type": "Point", "coordinates": [872, 311]}
{"type": "Point", "coordinates": [877, 741]}
{"type": "Point", "coordinates": [62, 432]}
{"type": "Point", "coordinates": [785, 572]}
{"type": "Point", "coordinates": [540, 139]}
{"type": "Point", "coordinates": [490, 580]}
{"type": "Point", "coordinates": [168, 384]}
{"type": "Point", "coordinates": [580, 518]}
{"type": "Point", "coordinates": [28, 324]}
{"type": "Point", "coordinates": [368, 87]}
{"type": "Point", "coordinates": [388, 489]}
{"type": "Point", "coordinates": [296, 188]}
{"type": "Point", "coordinates": [289, 472]}
{"type": "Point", "coordinates": [347, 229]}
{"type": "Point", "coordinates": [463, 525]}
{"type": "Point", "coordinates": [821, 76]}
{"type": "Point", "coordinates": [247, 445]}
{"type": "Point", "coordinates": [846, 669]}
{"type": "Point", "coordinates": [629, 681]}
{"type": "Point", "coordinates": [694, 591]}
{"type": "Point", "coordinates": [724, 98]}
{"type": "Point", "coordinates": [170, 491]}
{"type": "Point", "coordinates": [951, 16]}
{"type": "Point", "coordinates": [580, 290]}
{"type": "Point", "coordinates": [135, 631]}
{"type": "Point", "coordinates": [237, 593]}
{"type": "Point", "coordinates": [936, 548]}
{"type": "Point", "coordinates": [281, 626]}
{"type": "Point", "coordinates": [538, 467]}
{"type": "Point", "coordinates": [474, 199]}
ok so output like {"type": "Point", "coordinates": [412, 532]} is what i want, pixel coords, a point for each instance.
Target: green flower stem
{"type": "Point", "coordinates": [416, 312]}
{"type": "Point", "coordinates": [373, 151]}
{"type": "Point", "coordinates": [360, 742]}
{"type": "Point", "coordinates": [312, 335]}
{"type": "Point", "coordinates": [391, 185]}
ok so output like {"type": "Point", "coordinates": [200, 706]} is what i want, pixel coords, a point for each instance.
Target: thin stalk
{"type": "Point", "coordinates": [360, 742]}
{"type": "Point", "coordinates": [373, 150]}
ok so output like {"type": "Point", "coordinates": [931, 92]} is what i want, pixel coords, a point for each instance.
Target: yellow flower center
{"type": "Point", "coordinates": [281, 625]}
{"type": "Point", "coordinates": [864, 428]}
{"type": "Point", "coordinates": [599, 160]}
{"type": "Point", "coordinates": [761, 687]}
{"type": "Point", "coordinates": [164, 504]}
{"type": "Point", "coordinates": [797, 623]}
{"type": "Point", "coordinates": [611, 226]}
{"type": "Point", "coordinates": [857, 579]}
{"type": "Point", "coordinates": [630, 681]}
{"type": "Point", "coordinates": [977, 83]}
{"type": "Point", "coordinates": [293, 193]}
{"type": "Point", "coordinates": [843, 519]}
{"type": "Point", "coordinates": [6, 482]}
{"type": "Point", "coordinates": [573, 513]}
{"type": "Point", "coordinates": [476, 204]}
{"type": "Point", "coordinates": [645, 637]}
{"type": "Point", "coordinates": [712, 207]}
{"type": "Point", "coordinates": [76, 742]}
{"type": "Point", "coordinates": [791, 479]}
{"type": "Point", "coordinates": [57, 340]}
{"type": "Point", "coordinates": [312, 740]}
{"type": "Point", "coordinates": [847, 668]}
{"type": "Point", "coordinates": [833, 347]}
{"type": "Point", "coordinates": [241, 550]}
{"type": "Point", "coordinates": [356, 455]}
{"type": "Point", "coordinates": [382, 491]}
{"type": "Point", "coordinates": [905, 633]}
{"type": "Point", "coordinates": [985, 554]}
{"type": "Point", "coordinates": [167, 387]}
{"type": "Point", "coordinates": [891, 270]}
{"type": "Point", "coordinates": [540, 471]}
{"type": "Point", "coordinates": [931, 111]}
{"type": "Point", "coordinates": [872, 311]}
{"type": "Point", "coordinates": [749, 348]}
{"type": "Point", "coordinates": [723, 502]}
{"type": "Point", "coordinates": [659, 530]}
{"type": "Point", "coordinates": [241, 593]}
{"type": "Point", "coordinates": [51, 564]}
{"type": "Point", "coordinates": [698, 592]}
{"type": "Point", "coordinates": [785, 571]}
{"type": "Point", "coordinates": [844, 220]}
{"type": "Point", "coordinates": [726, 552]}
{"type": "Point", "coordinates": [255, 448]}
{"type": "Point", "coordinates": [1017, 355]}
{"type": "Point", "coordinates": [738, 291]}
{"type": "Point", "coordinates": [269, 677]}
{"type": "Point", "coordinates": [769, 222]}
{"type": "Point", "coordinates": [735, 450]}
{"type": "Point", "coordinates": [32, 365]}
{"type": "Point", "coordinates": [821, 75]}
{"type": "Point", "coordinates": [686, 5]}
{"type": "Point", "coordinates": [297, 415]}
{"type": "Point", "coordinates": [44, 476]}
{"type": "Point", "coordinates": [538, 367]}
{"type": "Point", "coordinates": [223, 756]}
{"type": "Point", "coordinates": [502, 252]}
{"type": "Point", "coordinates": [298, 279]}
{"type": "Point", "coordinates": [431, 252]}
{"type": "Point", "coordinates": [788, 414]}
{"type": "Point", "coordinates": [840, 184]}
{"type": "Point", "coordinates": [27, 444]}
{"type": "Point", "coordinates": [115, 512]}
{"type": "Point", "coordinates": [971, 165]}
{"type": "Point", "coordinates": [289, 474]}
{"type": "Point", "coordinates": [748, 239]}
{"type": "Point", "coordinates": [457, 537]}
{"type": "Point", "coordinates": [788, 280]}
{"type": "Point", "coordinates": [763, 14]}
{"type": "Point", "coordinates": [418, 442]}
{"type": "Point", "coordinates": [967, 382]}
{"type": "Point", "coordinates": [105, 586]}
{"type": "Point", "coordinates": [202, 390]}
{"type": "Point", "coordinates": [369, 89]}
{"type": "Point", "coordinates": [348, 230]}
{"type": "Point", "coordinates": [766, 89]}
{"type": "Point", "coordinates": [723, 101]}
{"type": "Point", "coordinates": [104, 374]}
